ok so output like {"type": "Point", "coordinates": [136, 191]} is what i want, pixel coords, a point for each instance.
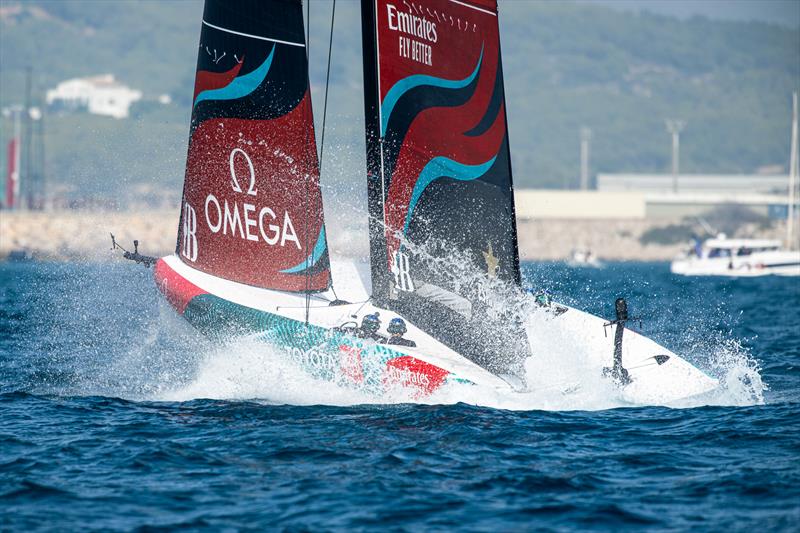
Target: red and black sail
{"type": "Point", "coordinates": [252, 205]}
{"type": "Point", "coordinates": [439, 170]}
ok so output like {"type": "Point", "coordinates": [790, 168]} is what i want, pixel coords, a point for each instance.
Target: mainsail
{"type": "Point", "coordinates": [439, 172]}
{"type": "Point", "coordinates": [252, 205]}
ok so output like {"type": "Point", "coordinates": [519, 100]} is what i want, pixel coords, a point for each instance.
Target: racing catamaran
{"type": "Point", "coordinates": [252, 256]}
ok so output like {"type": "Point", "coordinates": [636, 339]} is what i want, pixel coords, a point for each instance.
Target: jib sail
{"type": "Point", "coordinates": [439, 172]}
{"type": "Point", "coordinates": [252, 206]}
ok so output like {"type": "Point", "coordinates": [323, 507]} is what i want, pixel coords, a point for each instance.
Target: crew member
{"type": "Point", "coordinates": [370, 325]}
{"type": "Point", "coordinates": [397, 328]}
{"type": "Point", "coordinates": [697, 246]}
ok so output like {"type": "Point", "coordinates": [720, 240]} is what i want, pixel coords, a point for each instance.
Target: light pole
{"type": "Point", "coordinates": [586, 138]}
{"type": "Point", "coordinates": [792, 177]}
{"type": "Point", "coordinates": [674, 127]}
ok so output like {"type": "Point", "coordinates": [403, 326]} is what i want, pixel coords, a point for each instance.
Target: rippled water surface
{"type": "Point", "coordinates": [106, 421]}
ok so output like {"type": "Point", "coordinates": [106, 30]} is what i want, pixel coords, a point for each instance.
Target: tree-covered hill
{"type": "Point", "coordinates": [566, 66]}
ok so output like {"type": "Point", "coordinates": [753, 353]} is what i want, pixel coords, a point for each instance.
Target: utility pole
{"type": "Point", "coordinates": [28, 185]}
{"type": "Point", "coordinates": [674, 127]}
{"type": "Point", "coordinates": [41, 155]}
{"type": "Point", "coordinates": [792, 177]}
{"type": "Point", "coordinates": [586, 138]}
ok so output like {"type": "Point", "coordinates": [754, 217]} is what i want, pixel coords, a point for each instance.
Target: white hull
{"type": "Point", "coordinates": [583, 259]}
{"type": "Point", "coordinates": [349, 287]}
{"type": "Point", "coordinates": [778, 263]}
{"type": "Point", "coordinates": [590, 263]}
{"type": "Point", "coordinates": [652, 384]}
{"type": "Point", "coordinates": [591, 346]}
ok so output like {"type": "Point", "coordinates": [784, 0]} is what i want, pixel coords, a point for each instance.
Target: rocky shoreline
{"type": "Point", "coordinates": [84, 236]}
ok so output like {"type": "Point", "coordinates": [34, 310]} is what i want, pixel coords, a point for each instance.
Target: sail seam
{"type": "Point", "coordinates": [220, 28]}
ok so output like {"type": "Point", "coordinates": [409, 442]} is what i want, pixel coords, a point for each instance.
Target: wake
{"type": "Point", "coordinates": [99, 343]}
{"type": "Point", "coordinates": [559, 378]}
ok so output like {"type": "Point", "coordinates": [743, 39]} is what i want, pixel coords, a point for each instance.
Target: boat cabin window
{"type": "Point", "coordinates": [745, 250]}
{"type": "Point", "coordinates": [719, 252]}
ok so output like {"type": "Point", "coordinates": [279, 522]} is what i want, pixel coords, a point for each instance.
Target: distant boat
{"type": "Point", "coordinates": [18, 256]}
{"type": "Point", "coordinates": [583, 257]}
{"type": "Point", "coordinates": [748, 257]}
{"type": "Point", "coordinates": [737, 257]}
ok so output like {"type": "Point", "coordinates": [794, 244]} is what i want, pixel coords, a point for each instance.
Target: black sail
{"type": "Point", "coordinates": [443, 238]}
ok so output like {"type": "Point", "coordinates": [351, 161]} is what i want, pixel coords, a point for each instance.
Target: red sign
{"type": "Point", "coordinates": [12, 178]}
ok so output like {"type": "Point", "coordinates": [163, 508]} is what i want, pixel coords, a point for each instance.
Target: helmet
{"type": "Point", "coordinates": [371, 323]}
{"type": "Point", "coordinates": [397, 325]}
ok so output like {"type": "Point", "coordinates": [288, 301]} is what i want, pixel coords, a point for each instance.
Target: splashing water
{"type": "Point", "coordinates": [560, 378]}
{"type": "Point", "coordinates": [739, 374]}
{"type": "Point", "coordinates": [120, 339]}
{"type": "Point", "coordinates": [73, 338]}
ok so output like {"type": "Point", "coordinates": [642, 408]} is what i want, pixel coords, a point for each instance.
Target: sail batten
{"type": "Point", "coordinates": [442, 223]}
{"type": "Point", "coordinates": [252, 205]}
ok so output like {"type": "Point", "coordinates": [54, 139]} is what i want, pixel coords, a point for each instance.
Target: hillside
{"type": "Point", "coordinates": [566, 65]}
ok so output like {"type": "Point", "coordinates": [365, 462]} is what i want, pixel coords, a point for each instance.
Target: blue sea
{"type": "Point", "coordinates": [115, 415]}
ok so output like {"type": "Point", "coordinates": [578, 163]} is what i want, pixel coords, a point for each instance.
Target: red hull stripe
{"type": "Point", "coordinates": [410, 372]}
{"type": "Point", "coordinates": [177, 290]}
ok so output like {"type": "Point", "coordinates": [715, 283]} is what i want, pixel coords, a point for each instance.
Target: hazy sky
{"type": "Point", "coordinates": [784, 12]}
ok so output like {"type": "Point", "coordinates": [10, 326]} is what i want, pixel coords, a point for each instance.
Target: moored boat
{"type": "Point", "coordinates": [722, 256]}
{"type": "Point", "coordinates": [583, 257]}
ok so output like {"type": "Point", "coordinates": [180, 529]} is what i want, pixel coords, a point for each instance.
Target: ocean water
{"type": "Point", "coordinates": [116, 415]}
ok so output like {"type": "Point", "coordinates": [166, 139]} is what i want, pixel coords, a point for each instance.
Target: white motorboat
{"type": "Point", "coordinates": [737, 257]}
{"type": "Point", "coordinates": [749, 257]}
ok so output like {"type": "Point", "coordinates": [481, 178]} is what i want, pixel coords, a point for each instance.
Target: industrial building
{"type": "Point", "coordinates": [652, 196]}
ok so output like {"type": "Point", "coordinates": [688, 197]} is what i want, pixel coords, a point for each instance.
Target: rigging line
{"type": "Point", "coordinates": [308, 164]}
{"type": "Point", "coordinates": [360, 307]}
{"type": "Point", "coordinates": [325, 102]}
{"type": "Point", "coordinates": [308, 28]}
{"type": "Point", "coordinates": [360, 303]}
{"type": "Point", "coordinates": [327, 84]}
{"type": "Point", "coordinates": [302, 307]}
{"type": "Point", "coordinates": [307, 202]}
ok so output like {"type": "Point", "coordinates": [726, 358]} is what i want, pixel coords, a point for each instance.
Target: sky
{"type": "Point", "coordinates": [783, 12]}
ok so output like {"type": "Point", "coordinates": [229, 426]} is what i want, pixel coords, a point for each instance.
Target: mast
{"type": "Point", "coordinates": [792, 177]}
{"type": "Point", "coordinates": [374, 143]}
{"type": "Point", "coordinates": [42, 160]}
{"type": "Point", "coordinates": [28, 180]}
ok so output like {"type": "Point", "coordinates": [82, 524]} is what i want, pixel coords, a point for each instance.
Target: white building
{"type": "Point", "coordinates": [699, 193]}
{"type": "Point", "coordinates": [730, 184]}
{"type": "Point", "coordinates": [99, 95]}
{"type": "Point", "coordinates": [651, 196]}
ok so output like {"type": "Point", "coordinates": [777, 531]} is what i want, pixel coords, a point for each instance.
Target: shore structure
{"type": "Point", "coordinates": [84, 235]}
